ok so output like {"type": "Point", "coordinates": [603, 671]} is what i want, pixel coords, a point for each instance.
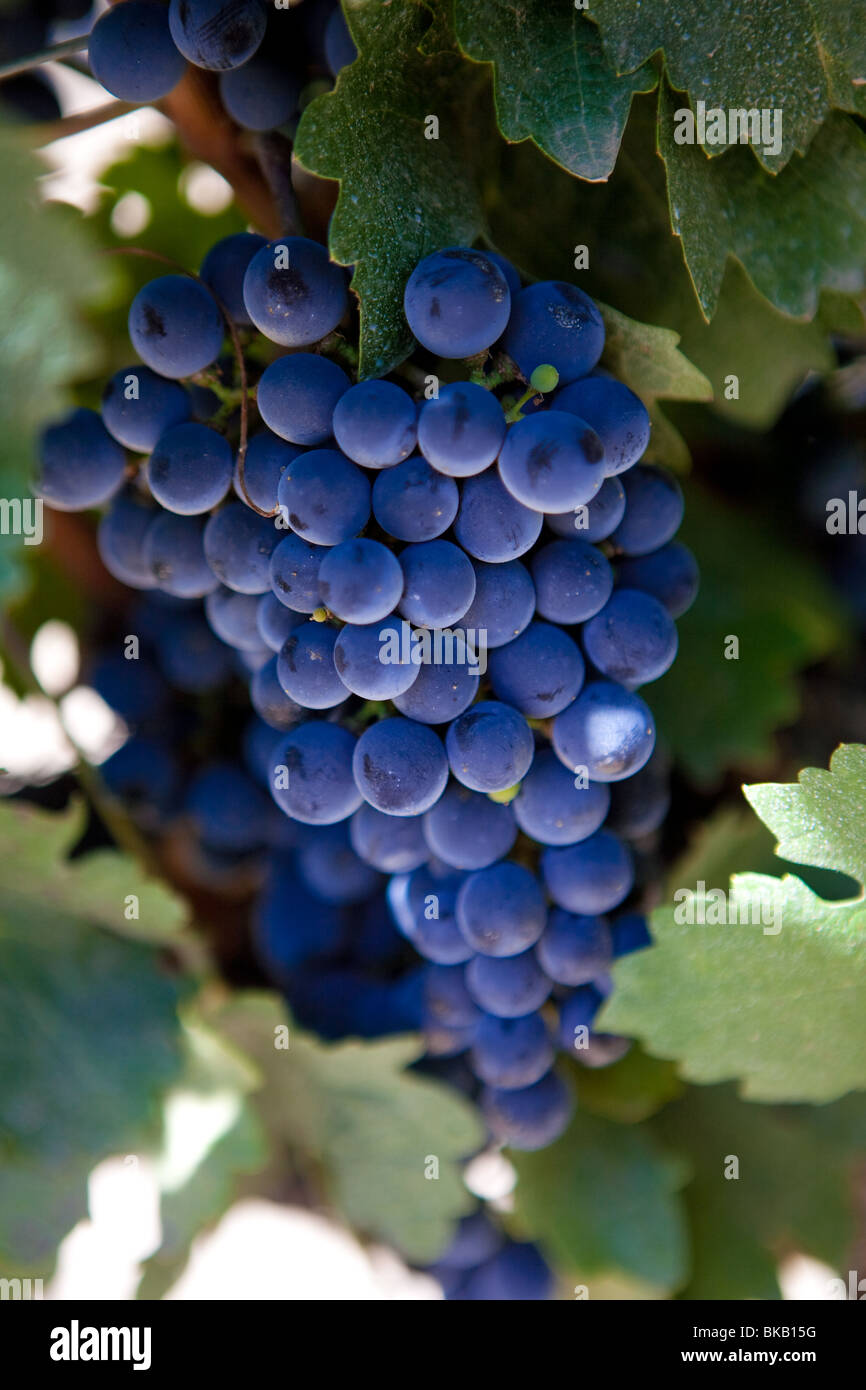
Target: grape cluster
{"type": "Point", "coordinates": [264, 57]}
{"type": "Point", "coordinates": [481, 1264]}
{"type": "Point", "coordinates": [443, 606]}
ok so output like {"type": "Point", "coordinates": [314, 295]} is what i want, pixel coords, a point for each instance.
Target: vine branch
{"type": "Point", "coordinates": [209, 134]}
{"type": "Point", "coordinates": [274, 153]}
{"type": "Point", "coordinates": [55, 53]}
{"type": "Point", "coordinates": [82, 120]}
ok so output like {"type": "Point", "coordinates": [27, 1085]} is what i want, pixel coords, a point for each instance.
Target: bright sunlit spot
{"type": "Point", "coordinates": [33, 746]}
{"type": "Point", "coordinates": [91, 723]}
{"type": "Point", "coordinates": [206, 191]}
{"type": "Point", "coordinates": [54, 657]}
{"type": "Point", "coordinates": [803, 1279]}
{"type": "Point", "coordinates": [131, 214]}
{"type": "Point", "coordinates": [77, 164]}
{"type": "Point", "coordinates": [490, 1176]}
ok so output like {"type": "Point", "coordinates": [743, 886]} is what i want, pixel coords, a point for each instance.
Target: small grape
{"type": "Point", "coordinates": [360, 581]}
{"type": "Point", "coordinates": [324, 497]}
{"type": "Point", "coordinates": [190, 469]}
{"type": "Point", "coordinates": [554, 324]}
{"type": "Point", "coordinates": [238, 544]}
{"type": "Point", "coordinates": [500, 910]}
{"type": "Point", "coordinates": [618, 416]}
{"type": "Point", "coordinates": [260, 95]}
{"type": "Point", "coordinates": [413, 502]}
{"type": "Point", "coordinates": [400, 767]}
{"type": "Point", "coordinates": [490, 747]}
{"type": "Point", "coordinates": [305, 667]}
{"type": "Point", "coordinates": [632, 640]}
{"type": "Point", "coordinates": [311, 774]}
{"type": "Point", "coordinates": [669, 575]}
{"type": "Point", "coordinates": [503, 605]}
{"type": "Point", "coordinates": [131, 52]}
{"type": "Point", "coordinates": [573, 580]}
{"type": "Point", "coordinates": [468, 831]}
{"type": "Point", "coordinates": [491, 524]}
{"type": "Point", "coordinates": [608, 730]}
{"type": "Point", "coordinates": [375, 660]}
{"type": "Point", "coordinates": [540, 672]}
{"type": "Point", "coordinates": [438, 584]}
{"type": "Point", "coordinates": [121, 535]}
{"type": "Point", "coordinates": [80, 464]}
{"type": "Point", "coordinates": [457, 302]}
{"type": "Point", "coordinates": [175, 325]}
{"type": "Point", "coordinates": [552, 461]}
{"type": "Point", "coordinates": [461, 432]}
{"type": "Point", "coordinates": [173, 550]}
{"type": "Point", "coordinates": [138, 405]}
{"type": "Point", "coordinates": [591, 877]}
{"type": "Point", "coordinates": [225, 265]}
{"type": "Point", "coordinates": [293, 292]}
{"type": "Point", "coordinates": [217, 34]}
{"type": "Point", "coordinates": [529, 1118]}
{"type": "Point", "coordinates": [653, 510]}
{"type": "Point", "coordinates": [375, 424]}
{"type": "Point", "coordinates": [293, 572]}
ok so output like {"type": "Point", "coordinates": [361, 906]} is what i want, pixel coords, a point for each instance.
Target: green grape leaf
{"type": "Point", "coordinates": [604, 1200]}
{"type": "Point", "coordinates": [402, 194]}
{"type": "Point", "coordinates": [41, 1199]}
{"type": "Point", "coordinates": [48, 273]}
{"type": "Point", "coordinates": [800, 57]}
{"type": "Point", "coordinates": [231, 1145]}
{"type": "Point", "coordinates": [744, 568]}
{"type": "Point", "coordinates": [387, 1141]}
{"type": "Point", "coordinates": [797, 233]}
{"type": "Point", "coordinates": [766, 1181]}
{"type": "Point", "coordinates": [630, 1090]}
{"type": "Point", "coordinates": [89, 1033]}
{"type": "Point", "coordinates": [103, 888]}
{"type": "Point", "coordinates": [769, 353]}
{"type": "Point", "coordinates": [538, 213]}
{"type": "Point", "coordinates": [201, 1202]}
{"type": "Point", "coordinates": [822, 819]}
{"type": "Point", "coordinates": [648, 360]}
{"type": "Point", "coordinates": [553, 83]}
{"type": "Point", "coordinates": [733, 841]}
{"type": "Point", "coordinates": [774, 994]}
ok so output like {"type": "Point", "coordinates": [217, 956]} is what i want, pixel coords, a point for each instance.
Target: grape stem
{"type": "Point", "coordinates": [516, 411]}
{"type": "Point", "coordinates": [61, 129]}
{"type": "Point", "coordinates": [274, 154]}
{"type": "Point", "coordinates": [416, 376]}
{"type": "Point", "coordinates": [336, 346]}
{"type": "Point", "coordinates": [489, 380]}
{"type": "Point", "coordinates": [238, 354]}
{"type": "Point", "coordinates": [371, 712]}
{"type": "Point", "coordinates": [53, 54]}
{"type": "Point", "coordinates": [210, 135]}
